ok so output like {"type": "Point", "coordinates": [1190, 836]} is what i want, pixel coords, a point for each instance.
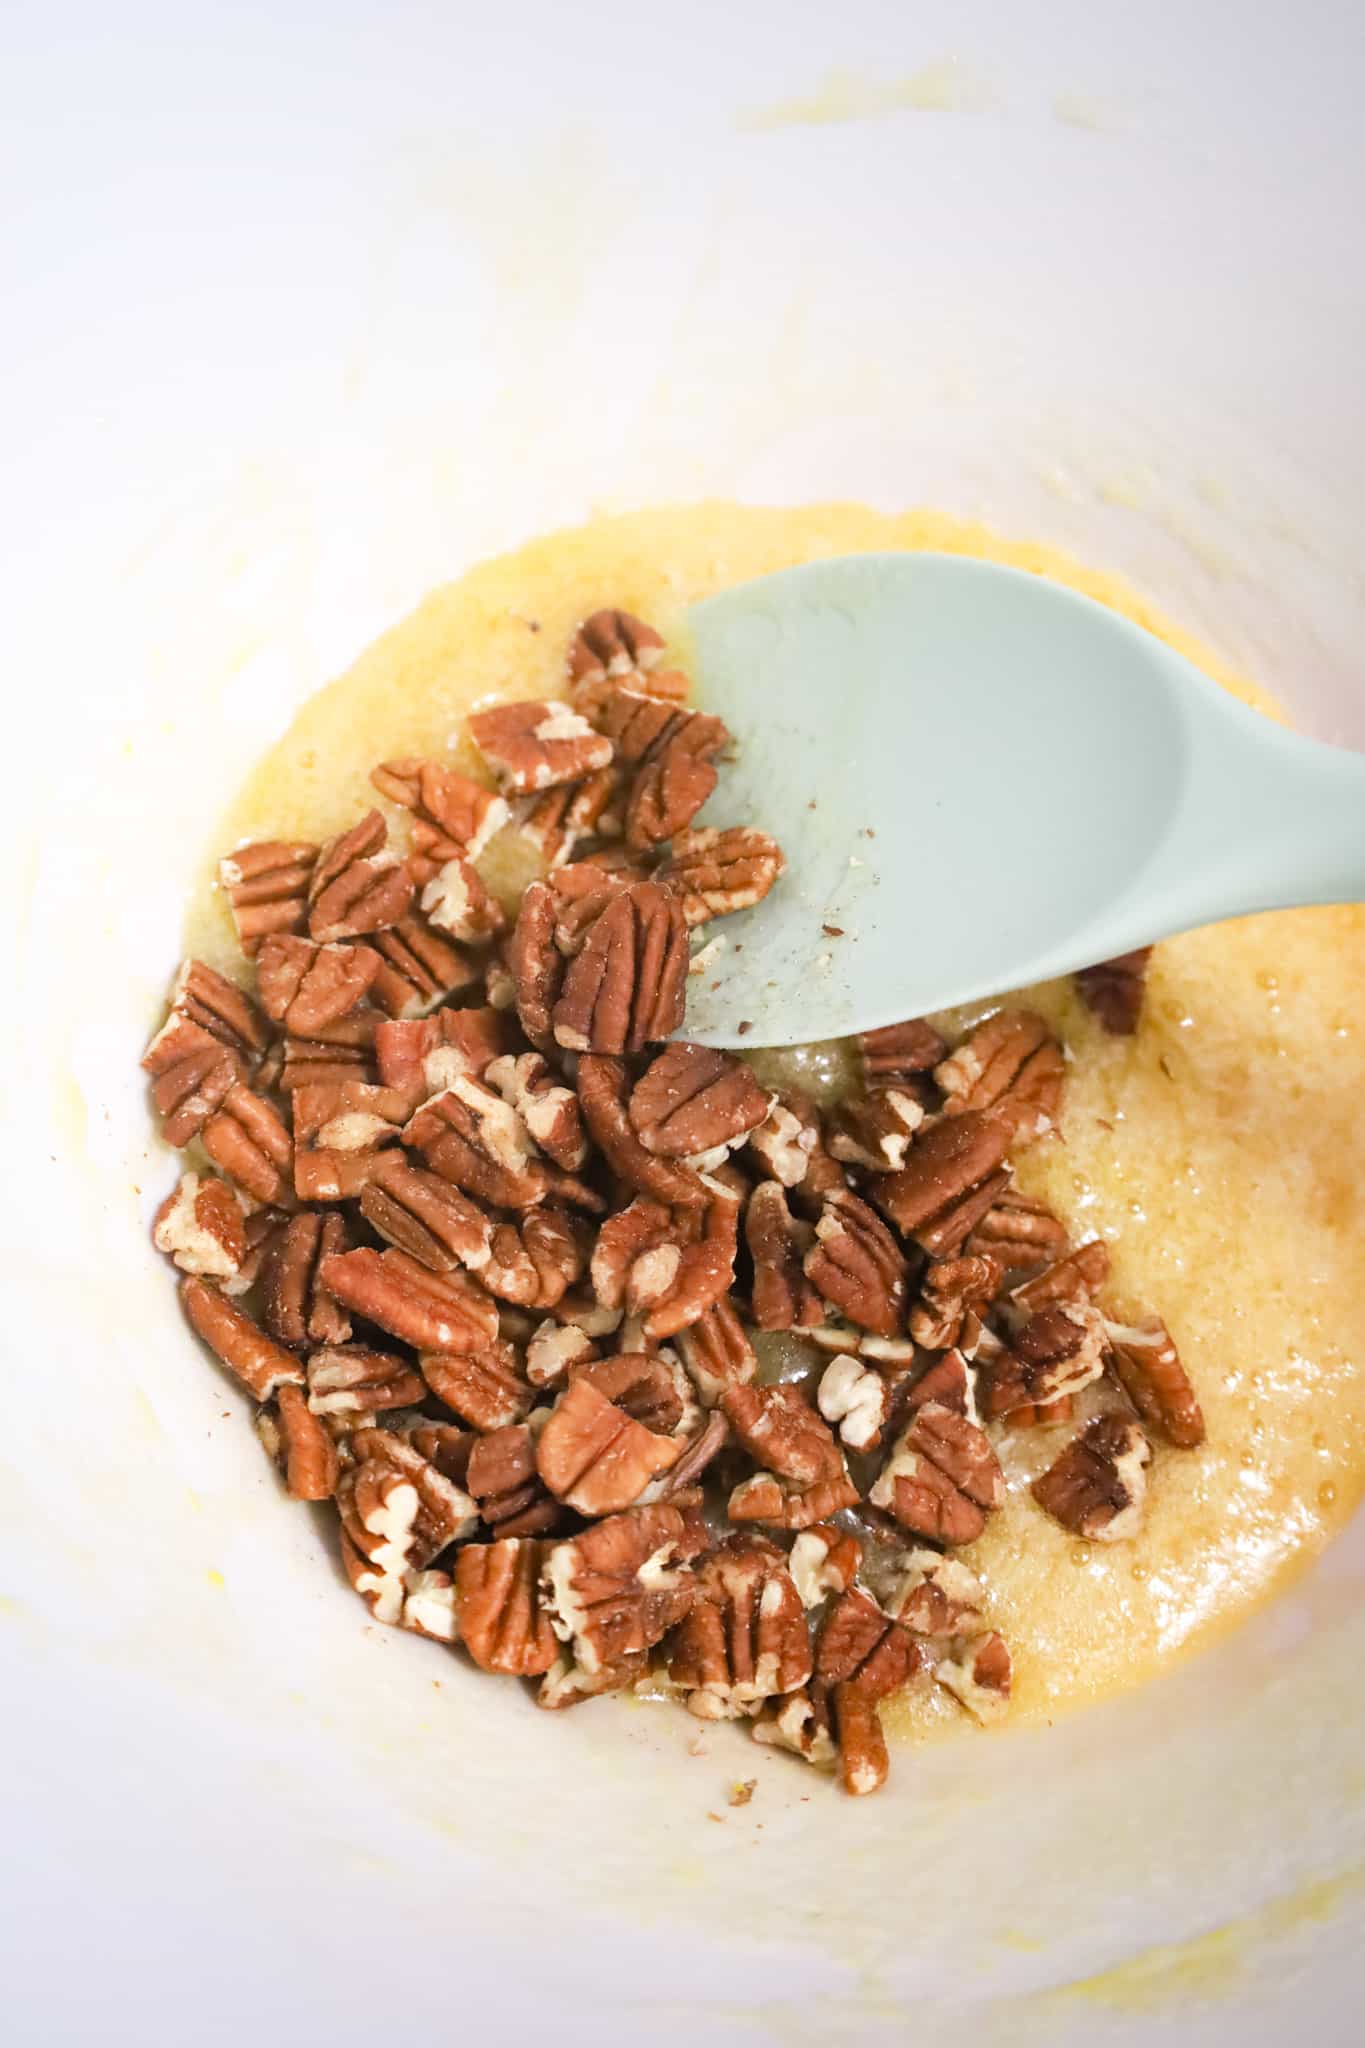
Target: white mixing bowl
{"type": "Point", "coordinates": [312, 305]}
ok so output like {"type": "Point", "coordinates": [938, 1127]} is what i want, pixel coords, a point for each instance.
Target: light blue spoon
{"type": "Point", "coordinates": [980, 780]}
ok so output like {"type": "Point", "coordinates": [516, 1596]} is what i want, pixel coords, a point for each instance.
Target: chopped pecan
{"type": "Point", "coordinates": [425, 1216]}
{"type": "Point", "coordinates": [553, 1349]}
{"type": "Point", "coordinates": [296, 1307]}
{"type": "Point", "coordinates": [261, 1365]}
{"type": "Point", "coordinates": [1058, 1351]}
{"type": "Point", "coordinates": [1020, 1231]}
{"type": "Point", "coordinates": [783, 1297]}
{"type": "Point", "coordinates": [855, 1399]}
{"type": "Point", "coordinates": [220, 1008]}
{"type": "Point", "coordinates": [950, 1180]}
{"type": "Point", "coordinates": [824, 1560]}
{"type": "Point", "coordinates": [979, 1673]}
{"type": "Point", "coordinates": [267, 886]}
{"type": "Point", "coordinates": [1012, 1064]}
{"type": "Point", "coordinates": [536, 1261]}
{"type": "Point", "coordinates": [612, 643]}
{"type": "Point", "coordinates": [340, 1128]}
{"type": "Point", "coordinates": [192, 1074]}
{"type": "Point", "coordinates": [532, 746]}
{"type": "Point", "coordinates": [548, 1109]}
{"type": "Point", "coordinates": [346, 1380]}
{"type": "Point", "coordinates": [305, 987]}
{"type": "Point", "coordinates": [247, 1141]}
{"type": "Point", "coordinates": [934, 1595]}
{"type": "Point", "coordinates": [668, 1265]}
{"type": "Point", "coordinates": [484, 1387]}
{"type": "Point", "coordinates": [503, 1617]}
{"type": "Point", "coordinates": [603, 1091]}
{"type": "Point", "coordinates": [536, 965]}
{"type": "Point", "coordinates": [475, 1140]}
{"type": "Point", "coordinates": [941, 1479]}
{"type": "Point", "coordinates": [766, 1498]}
{"type": "Point", "coordinates": [423, 1055]}
{"type": "Point", "coordinates": [713, 871]}
{"type": "Point", "coordinates": [874, 1131]}
{"type": "Point", "coordinates": [359, 884]}
{"type": "Point", "coordinates": [202, 1225]}
{"type": "Point", "coordinates": [457, 900]}
{"type": "Point", "coordinates": [745, 1637]}
{"type": "Point", "coordinates": [861, 1657]}
{"type": "Point", "coordinates": [1150, 1372]}
{"type": "Point", "coordinates": [695, 1102]}
{"type": "Point", "coordinates": [418, 968]}
{"type": "Point", "coordinates": [782, 1432]}
{"type": "Point", "coordinates": [787, 1140]}
{"type": "Point", "coordinates": [1114, 989]}
{"type": "Point", "coordinates": [592, 1454]}
{"type": "Point", "coordinates": [462, 810]}
{"type": "Point", "coordinates": [502, 1478]}
{"type": "Point", "coordinates": [619, 1587]}
{"type": "Point", "coordinates": [716, 1352]}
{"type": "Point", "coordinates": [559, 819]}
{"type": "Point", "coordinates": [953, 1293]}
{"type": "Point", "coordinates": [899, 1053]}
{"type": "Point", "coordinates": [856, 1265]}
{"type": "Point", "coordinates": [300, 1446]}
{"type": "Point", "coordinates": [799, 1724]}
{"type": "Point", "coordinates": [625, 989]}
{"type": "Point", "coordinates": [432, 1312]}
{"type": "Point", "coordinates": [1097, 1486]}
{"type": "Point", "coordinates": [1078, 1276]}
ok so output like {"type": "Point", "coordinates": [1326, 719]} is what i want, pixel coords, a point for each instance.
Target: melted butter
{"type": "Point", "coordinates": [1215, 1152]}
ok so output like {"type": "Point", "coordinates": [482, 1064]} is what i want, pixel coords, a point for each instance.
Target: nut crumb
{"type": "Point", "coordinates": [742, 1791]}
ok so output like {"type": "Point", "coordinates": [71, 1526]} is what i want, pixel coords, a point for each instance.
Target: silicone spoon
{"type": "Point", "coordinates": [982, 779]}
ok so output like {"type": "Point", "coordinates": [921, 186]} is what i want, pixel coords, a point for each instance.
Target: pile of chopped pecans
{"type": "Point", "coordinates": [497, 1261]}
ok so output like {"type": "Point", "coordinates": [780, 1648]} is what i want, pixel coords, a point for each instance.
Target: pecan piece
{"type": "Point", "coordinates": [246, 1140]}
{"type": "Point", "coordinates": [789, 1145]}
{"type": "Point", "coordinates": [603, 1090]}
{"type": "Point", "coordinates": [560, 818]}
{"type": "Point", "coordinates": [613, 643]}
{"type": "Point", "coordinates": [305, 987]}
{"type": "Point", "coordinates": [716, 1352]}
{"type": "Point", "coordinates": [856, 1400]}
{"type": "Point", "coordinates": [503, 1617]}
{"type": "Point", "coordinates": [668, 1265]}
{"type": "Point", "coordinates": [592, 1454]}
{"type": "Point", "coordinates": [934, 1595]}
{"type": "Point", "coordinates": [941, 1479]}
{"type": "Point", "coordinates": [475, 1140]}
{"type": "Point", "coordinates": [861, 1658]}
{"type": "Point", "coordinates": [1058, 1351]}
{"type": "Point", "coordinates": [553, 1349]}
{"type": "Point", "coordinates": [359, 884]}
{"type": "Point", "coordinates": [625, 989]}
{"type": "Point", "coordinates": [874, 1131]}
{"type": "Point", "coordinates": [432, 1312]}
{"type": "Point", "coordinates": [220, 1008]}
{"type": "Point", "coordinates": [536, 965]}
{"type": "Point", "coordinates": [1150, 1372]}
{"type": "Point", "coordinates": [1113, 990]}
{"type": "Point", "coordinates": [296, 1307]}
{"type": "Point", "coordinates": [300, 1446]}
{"type": "Point", "coordinates": [192, 1074]}
{"type": "Point", "coordinates": [457, 900]}
{"type": "Point", "coordinates": [783, 1297]}
{"type": "Point", "coordinates": [799, 1724]}
{"type": "Point", "coordinates": [1020, 1231]}
{"type": "Point", "coordinates": [267, 886]}
{"type": "Point", "coordinates": [697, 1103]}
{"type": "Point", "coordinates": [713, 871]}
{"type": "Point", "coordinates": [418, 968]}
{"type": "Point", "coordinates": [766, 1498]}
{"type": "Point", "coordinates": [567, 1684]}
{"type": "Point", "coordinates": [502, 1478]}
{"type": "Point", "coordinates": [1012, 1064]}
{"type": "Point", "coordinates": [483, 1387]}
{"type": "Point", "coordinates": [548, 1109]}
{"type": "Point", "coordinates": [1078, 1276]}
{"type": "Point", "coordinates": [979, 1673]}
{"type": "Point", "coordinates": [1097, 1486]}
{"type": "Point", "coordinates": [745, 1638]}
{"type": "Point", "coordinates": [537, 1261]}
{"type": "Point", "coordinates": [423, 1055]}
{"type": "Point", "coordinates": [950, 1180]}
{"type": "Point", "coordinates": [899, 1053]}
{"type": "Point", "coordinates": [398, 1512]}
{"type": "Point", "coordinates": [340, 1128]}
{"type": "Point", "coordinates": [532, 746]}
{"type": "Point", "coordinates": [781, 1431]}
{"type": "Point", "coordinates": [954, 1293]}
{"type": "Point", "coordinates": [824, 1560]}
{"type": "Point", "coordinates": [950, 1382]}
{"type": "Point", "coordinates": [262, 1366]}
{"type": "Point", "coordinates": [462, 810]}
{"type": "Point", "coordinates": [648, 1387]}
{"type": "Point", "coordinates": [424, 1216]}
{"type": "Point", "coordinates": [349, 1380]}
{"type": "Point", "coordinates": [856, 1265]}
{"type": "Point", "coordinates": [620, 1586]}
{"type": "Point", "coordinates": [202, 1226]}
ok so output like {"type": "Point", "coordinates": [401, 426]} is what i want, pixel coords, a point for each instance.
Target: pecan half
{"type": "Point", "coordinates": [346, 1380]}
{"type": "Point", "coordinates": [861, 1657]}
{"type": "Point", "coordinates": [1113, 990]}
{"type": "Point", "coordinates": [531, 746]}
{"type": "Point", "coordinates": [483, 1387]}
{"type": "Point", "coordinates": [899, 1053]}
{"type": "Point", "coordinates": [782, 1432]}
{"type": "Point", "coordinates": [1150, 1372]}
{"type": "Point", "coordinates": [856, 1400]}
{"type": "Point", "coordinates": [418, 968]}
{"type": "Point", "coordinates": [619, 1587]}
{"type": "Point", "coordinates": [423, 1055]}
{"type": "Point", "coordinates": [772, 1501]}
{"type": "Point", "coordinates": [536, 965]}
{"type": "Point", "coordinates": [745, 1638]}
{"type": "Point", "coordinates": [261, 1365]}
{"type": "Point", "coordinates": [950, 1382]}
{"type": "Point", "coordinates": [502, 1478]}
{"type": "Point", "coordinates": [612, 643]}
{"type": "Point", "coordinates": [423, 1215]}
{"type": "Point", "coordinates": [603, 1093]}
{"type": "Point", "coordinates": [1078, 1276]}
{"type": "Point", "coordinates": [670, 752]}
{"type": "Point", "coordinates": [1097, 1486]}
{"type": "Point", "coordinates": [202, 1225]}
{"type": "Point", "coordinates": [668, 1265]}
{"type": "Point", "coordinates": [979, 1674]}
{"type": "Point", "coordinates": [220, 1008]}
{"type": "Point", "coordinates": [267, 886]}
{"type": "Point", "coordinates": [503, 1618]}
{"type": "Point", "coordinates": [559, 819]}
{"type": "Point", "coordinates": [548, 1109]}
{"type": "Point", "coordinates": [300, 1446]}
{"type": "Point", "coordinates": [1058, 1351]}
{"type": "Point", "coordinates": [475, 1140]}
{"type": "Point", "coordinates": [340, 1128]}
{"type": "Point", "coordinates": [246, 1140]}
{"type": "Point", "coordinates": [359, 884]}
{"type": "Point", "coordinates": [716, 1352]}
{"type": "Point", "coordinates": [461, 809]}
{"type": "Point", "coordinates": [625, 989]}
{"type": "Point", "coordinates": [824, 1560]}
{"type": "Point", "coordinates": [695, 1102]}
{"type": "Point", "coordinates": [953, 1293]}
{"type": "Point", "coordinates": [457, 900]}
{"type": "Point", "coordinates": [592, 1454]}
{"type": "Point", "coordinates": [856, 1265]}
{"type": "Point", "coordinates": [934, 1595]}
{"type": "Point", "coordinates": [343, 1051]}
{"type": "Point", "coordinates": [950, 1180]}
{"type": "Point", "coordinates": [648, 1387]}
{"type": "Point", "coordinates": [713, 871]}
{"type": "Point", "coordinates": [1020, 1231]}
{"type": "Point", "coordinates": [874, 1131]}
{"type": "Point", "coordinates": [305, 987]}
{"type": "Point", "coordinates": [432, 1312]}
{"type": "Point", "coordinates": [1012, 1064]}
{"type": "Point", "coordinates": [296, 1307]}
{"type": "Point", "coordinates": [783, 1297]}
{"type": "Point", "coordinates": [941, 1479]}
{"type": "Point", "coordinates": [192, 1074]}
